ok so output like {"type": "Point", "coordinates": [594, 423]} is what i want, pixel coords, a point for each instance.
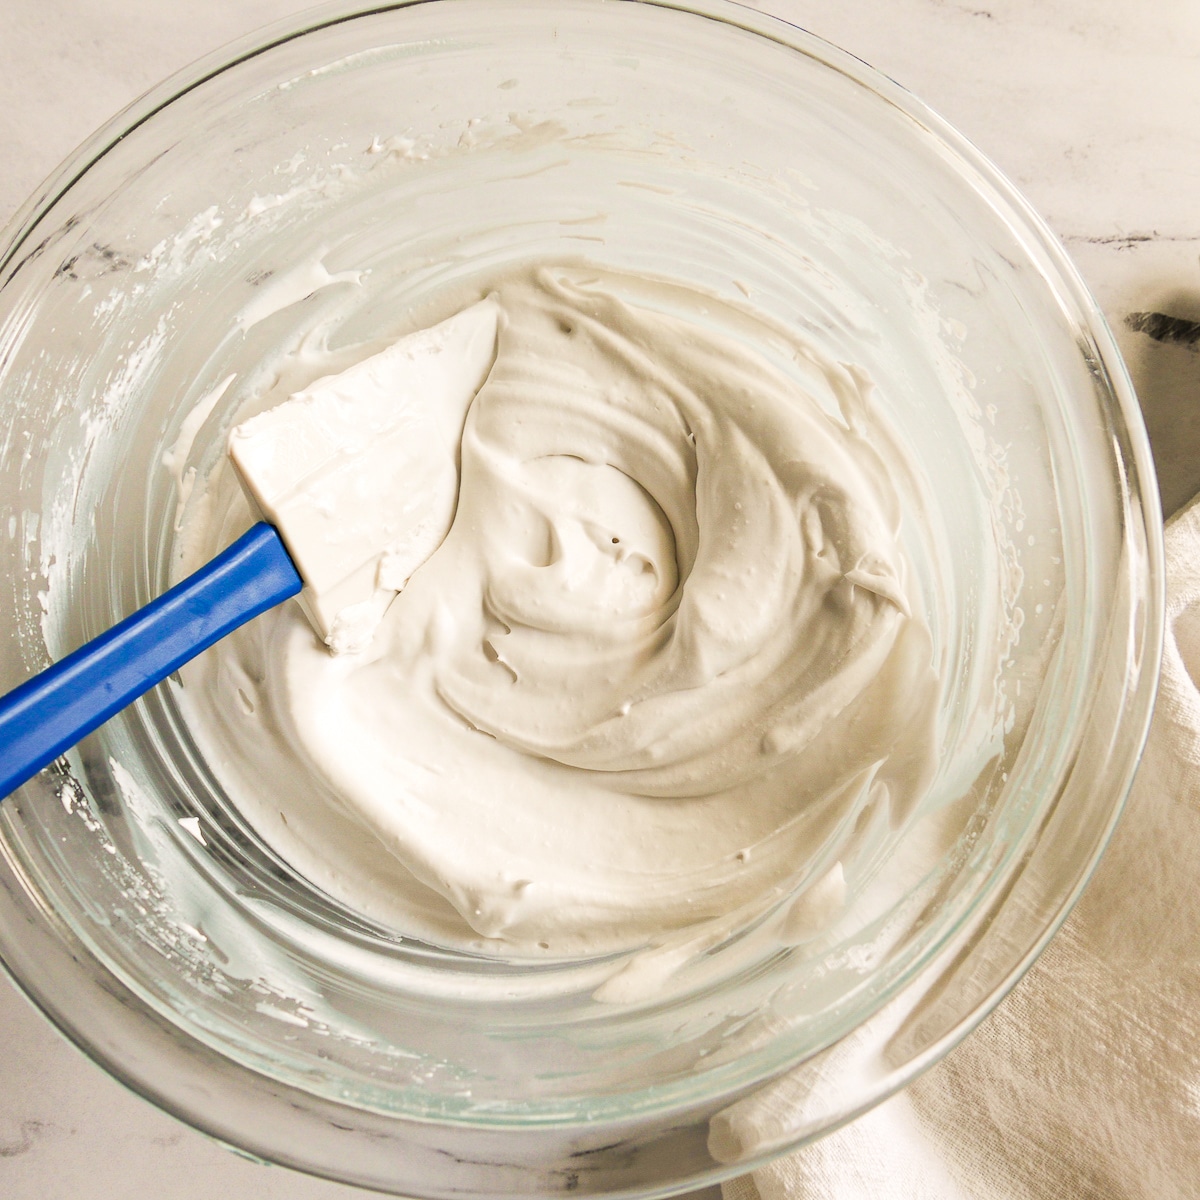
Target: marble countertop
{"type": "Point", "coordinates": [1090, 106]}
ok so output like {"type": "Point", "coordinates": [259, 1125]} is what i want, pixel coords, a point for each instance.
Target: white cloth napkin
{"type": "Point", "coordinates": [1085, 1083]}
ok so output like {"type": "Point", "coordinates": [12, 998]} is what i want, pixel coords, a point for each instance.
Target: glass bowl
{"type": "Point", "coordinates": [422, 143]}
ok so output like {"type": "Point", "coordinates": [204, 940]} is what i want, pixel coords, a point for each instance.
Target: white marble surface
{"type": "Point", "coordinates": [1091, 106]}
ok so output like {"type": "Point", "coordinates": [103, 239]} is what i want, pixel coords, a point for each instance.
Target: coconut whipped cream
{"type": "Point", "coordinates": [665, 659]}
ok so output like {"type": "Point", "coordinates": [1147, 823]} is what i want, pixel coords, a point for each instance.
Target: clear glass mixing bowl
{"type": "Point", "coordinates": [420, 143]}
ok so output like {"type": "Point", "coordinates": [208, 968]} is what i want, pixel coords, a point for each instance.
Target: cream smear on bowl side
{"type": "Point", "coordinates": [667, 657]}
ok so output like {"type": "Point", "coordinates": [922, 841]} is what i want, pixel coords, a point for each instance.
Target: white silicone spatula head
{"type": "Point", "coordinates": [359, 472]}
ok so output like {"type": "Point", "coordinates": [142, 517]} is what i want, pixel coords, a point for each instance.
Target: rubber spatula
{"type": "Point", "coordinates": [356, 478]}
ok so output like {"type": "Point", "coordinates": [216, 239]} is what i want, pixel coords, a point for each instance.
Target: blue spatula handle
{"type": "Point", "coordinates": [52, 711]}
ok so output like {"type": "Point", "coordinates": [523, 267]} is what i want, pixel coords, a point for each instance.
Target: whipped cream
{"type": "Point", "coordinates": [667, 656]}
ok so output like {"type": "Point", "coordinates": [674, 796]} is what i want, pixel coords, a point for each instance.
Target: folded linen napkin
{"type": "Point", "coordinates": [1084, 1084]}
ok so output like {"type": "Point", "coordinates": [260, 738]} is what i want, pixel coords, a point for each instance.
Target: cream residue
{"type": "Point", "coordinates": [176, 459]}
{"type": "Point", "coordinates": [667, 655]}
{"type": "Point", "coordinates": [277, 292]}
